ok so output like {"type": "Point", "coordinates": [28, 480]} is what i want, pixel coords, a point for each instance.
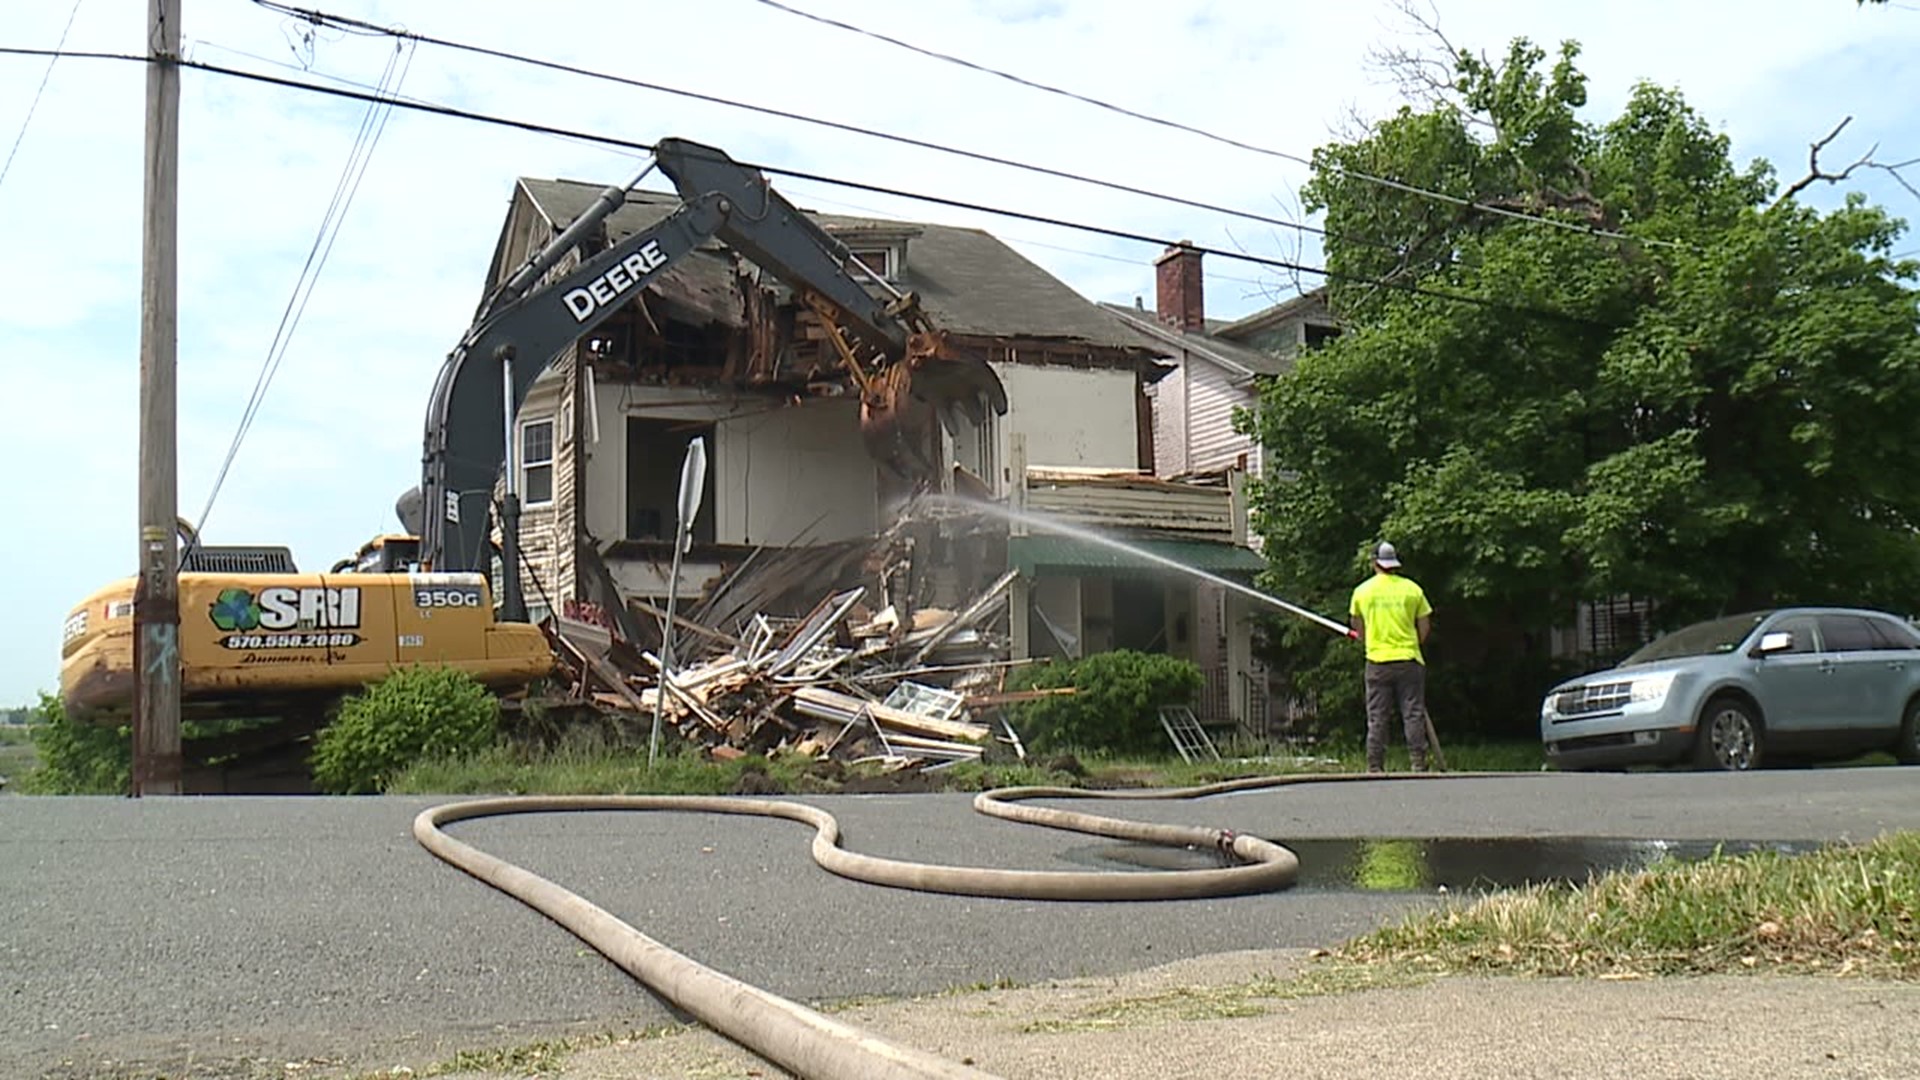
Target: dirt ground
{"type": "Point", "coordinates": [1220, 1016]}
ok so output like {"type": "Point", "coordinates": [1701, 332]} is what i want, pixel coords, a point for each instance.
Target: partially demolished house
{"type": "Point", "coordinates": [805, 520]}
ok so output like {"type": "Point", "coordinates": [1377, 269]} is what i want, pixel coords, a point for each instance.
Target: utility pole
{"type": "Point", "coordinates": [156, 593]}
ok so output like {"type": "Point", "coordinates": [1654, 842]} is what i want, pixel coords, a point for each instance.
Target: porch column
{"type": "Point", "coordinates": [1239, 662]}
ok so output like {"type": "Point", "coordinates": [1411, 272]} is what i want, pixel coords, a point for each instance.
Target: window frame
{"type": "Point", "coordinates": [527, 467]}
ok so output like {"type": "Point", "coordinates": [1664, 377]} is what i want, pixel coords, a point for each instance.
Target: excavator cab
{"type": "Point", "coordinates": [396, 553]}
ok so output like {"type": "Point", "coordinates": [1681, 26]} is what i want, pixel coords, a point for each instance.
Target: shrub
{"type": "Point", "coordinates": [415, 714]}
{"type": "Point", "coordinates": [1115, 706]}
{"type": "Point", "coordinates": [77, 759]}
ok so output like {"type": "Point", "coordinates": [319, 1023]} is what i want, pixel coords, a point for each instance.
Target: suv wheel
{"type": "Point", "coordinates": [1908, 750]}
{"type": "Point", "coordinates": [1729, 737]}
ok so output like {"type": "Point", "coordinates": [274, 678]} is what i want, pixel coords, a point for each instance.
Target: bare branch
{"type": "Point", "coordinates": [1899, 178]}
{"type": "Point", "coordinates": [1815, 173]}
{"type": "Point", "coordinates": [1425, 73]}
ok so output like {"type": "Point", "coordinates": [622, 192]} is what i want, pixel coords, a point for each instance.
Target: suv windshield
{"type": "Point", "coordinates": [1700, 639]}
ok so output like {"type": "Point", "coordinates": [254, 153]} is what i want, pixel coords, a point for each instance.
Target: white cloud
{"type": "Point", "coordinates": [339, 435]}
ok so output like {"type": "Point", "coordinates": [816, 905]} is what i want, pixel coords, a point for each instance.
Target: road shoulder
{"type": "Point", "coordinates": [1234, 1014]}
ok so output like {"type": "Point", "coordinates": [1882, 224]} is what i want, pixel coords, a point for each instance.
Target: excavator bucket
{"type": "Point", "coordinates": [945, 378]}
{"type": "Point", "coordinates": [898, 406]}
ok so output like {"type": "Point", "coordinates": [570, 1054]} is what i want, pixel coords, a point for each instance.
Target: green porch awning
{"type": "Point", "coordinates": [1064, 555]}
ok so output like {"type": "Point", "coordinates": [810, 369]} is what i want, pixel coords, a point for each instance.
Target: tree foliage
{"type": "Point", "coordinates": [77, 759]}
{"type": "Point", "coordinates": [1710, 413]}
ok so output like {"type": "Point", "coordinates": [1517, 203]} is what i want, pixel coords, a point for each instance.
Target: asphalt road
{"type": "Point", "coordinates": [228, 937]}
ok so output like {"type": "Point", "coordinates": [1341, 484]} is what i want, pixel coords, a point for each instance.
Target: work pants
{"type": "Point", "coordinates": [1402, 684]}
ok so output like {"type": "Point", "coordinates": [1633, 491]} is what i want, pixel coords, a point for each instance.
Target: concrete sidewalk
{"type": "Point", "coordinates": [1207, 1018]}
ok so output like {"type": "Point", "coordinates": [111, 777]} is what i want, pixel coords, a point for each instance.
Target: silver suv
{"type": "Point", "coordinates": [1793, 683]}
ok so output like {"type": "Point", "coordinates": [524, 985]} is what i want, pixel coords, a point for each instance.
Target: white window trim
{"type": "Point", "coordinates": [524, 466]}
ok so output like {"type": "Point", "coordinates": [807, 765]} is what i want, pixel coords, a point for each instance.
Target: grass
{"type": "Point", "coordinates": [587, 768]}
{"type": "Point", "coordinates": [1843, 910]}
{"type": "Point", "coordinates": [542, 1057]}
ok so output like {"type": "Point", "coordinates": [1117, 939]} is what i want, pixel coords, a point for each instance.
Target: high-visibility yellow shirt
{"type": "Point", "coordinates": [1389, 604]}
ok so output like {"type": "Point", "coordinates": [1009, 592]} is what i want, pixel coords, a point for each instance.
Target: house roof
{"type": "Point", "coordinates": [1231, 355]}
{"type": "Point", "coordinates": [1310, 305]}
{"type": "Point", "coordinates": [968, 281]}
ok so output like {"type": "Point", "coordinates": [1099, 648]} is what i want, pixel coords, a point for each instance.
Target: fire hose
{"type": "Point", "coordinates": [810, 1044]}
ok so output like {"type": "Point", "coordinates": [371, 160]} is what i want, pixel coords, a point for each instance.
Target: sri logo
{"type": "Point", "coordinates": [282, 608]}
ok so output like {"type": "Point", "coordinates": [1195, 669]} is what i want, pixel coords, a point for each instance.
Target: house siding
{"type": "Point", "coordinates": [1212, 400]}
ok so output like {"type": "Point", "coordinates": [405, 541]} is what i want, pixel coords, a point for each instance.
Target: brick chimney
{"type": "Point", "coordinates": [1181, 300]}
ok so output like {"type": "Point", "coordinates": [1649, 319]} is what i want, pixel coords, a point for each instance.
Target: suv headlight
{"type": "Point", "coordinates": [1653, 688]}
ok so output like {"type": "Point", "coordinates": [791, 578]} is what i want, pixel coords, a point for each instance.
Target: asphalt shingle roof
{"type": "Point", "coordinates": [968, 281]}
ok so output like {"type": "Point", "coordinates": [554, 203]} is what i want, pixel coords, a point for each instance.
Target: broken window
{"type": "Point", "coordinates": [655, 451]}
{"type": "Point", "coordinates": [536, 462]}
{"type": "Point", "coordinates": [880, 260]}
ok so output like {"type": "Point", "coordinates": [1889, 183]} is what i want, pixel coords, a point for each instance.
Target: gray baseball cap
{"type": "Point", "coordinates": [1385, 556]}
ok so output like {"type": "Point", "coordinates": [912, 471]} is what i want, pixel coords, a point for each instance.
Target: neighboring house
{"type": "Point", "coordinates": [717, 349]}
{"type": "Point", "coordinates": [1217, 365]}
{"type": "Point", "coordinates": [1218, 370]}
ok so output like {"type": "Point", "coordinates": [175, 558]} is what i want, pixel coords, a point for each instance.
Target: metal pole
{"type": "Point", "coordinates": [666, 647]}
{"type": "Point", "coordinates": [156, 593]}
{"type": "Point", "coordinates": [513, 607]}
{"type": "Point", "coordinates": [693, 481]}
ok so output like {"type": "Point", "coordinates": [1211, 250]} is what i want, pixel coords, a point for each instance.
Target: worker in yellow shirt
{"type": "Point", "coordinates": [1390, 615]}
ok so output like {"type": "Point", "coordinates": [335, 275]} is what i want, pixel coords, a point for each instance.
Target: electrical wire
{"type": "Point", "coordinates": [937, 200]}
{"type": "Point", "coordinates": [1031, 242]}
{"type": "Point", "coordinates": [1396, 185]}
{"type": "Point", "coordinates": [373, 125]}
{"type": "Point", "coordinates": [35, 103]}
{"type": "Point", "coordinates": [344, 22]}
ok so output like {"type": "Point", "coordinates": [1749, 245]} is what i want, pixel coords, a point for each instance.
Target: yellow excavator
{"type": "Point", "coordinates": [260, 638]}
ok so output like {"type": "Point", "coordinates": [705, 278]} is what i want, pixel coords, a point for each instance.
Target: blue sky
{"type": "Point", "coordinates": [338, 436]}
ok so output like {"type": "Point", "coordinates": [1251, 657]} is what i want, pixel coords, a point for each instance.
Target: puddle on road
{"type": "Point", "coordinates": [1426, 865]}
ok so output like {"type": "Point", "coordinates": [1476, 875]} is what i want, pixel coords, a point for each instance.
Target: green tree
{"type": "Point", "coordinates": [77, 759]}
{"type": "Point", "coordinates": [1710, 413]}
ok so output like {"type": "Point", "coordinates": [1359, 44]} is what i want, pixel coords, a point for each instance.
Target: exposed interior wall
{"type": "Point", "coordinates": [1169, 399]}
{"type": "Point", "coordinates": [773, 469]}
{"type": "Point", "coordinates": [1071, 416]}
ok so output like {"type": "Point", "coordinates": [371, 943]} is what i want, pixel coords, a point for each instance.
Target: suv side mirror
{"type": "Point", "coordinates": [1777, 641]}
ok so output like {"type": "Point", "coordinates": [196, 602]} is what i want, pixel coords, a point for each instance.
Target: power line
{"type": "Point", "coordinates": [35, 103]}
{"type": "Point", "coordinates": [202, 43]}
{"type": "Point", "coordinates": [343, 22]}
{"type": "Point", "coordinates": [1205, 134]}
{"type": "Point", "coordinates": [1130, 260]}
{"type": "Point", "coordinates": [372, 125]}
{"type": "Point", "coordinates": [937, 200]}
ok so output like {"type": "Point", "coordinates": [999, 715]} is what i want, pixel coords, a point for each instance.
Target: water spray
{"type": "Point", "coordinates": [1091, 536]}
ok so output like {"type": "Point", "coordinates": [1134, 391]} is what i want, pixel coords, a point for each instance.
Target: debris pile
{"type": "Point", "coordinates": [918, 688]}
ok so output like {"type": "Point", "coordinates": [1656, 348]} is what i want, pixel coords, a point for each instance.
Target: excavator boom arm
{"type": "Point", "coordinates": [525, 327]}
